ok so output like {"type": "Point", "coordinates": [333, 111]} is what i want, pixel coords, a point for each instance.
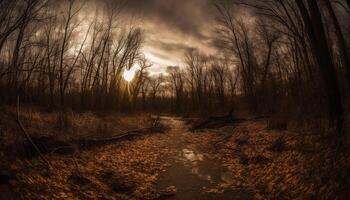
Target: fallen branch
{"type": "Point", "coordinates": [60, 150]}
{"type": "Point", "coordinates": [136, 132]}
{"type": "Point", "coordinates": [221, 121]}
{"type": "Point", "coordinates": [217, 122]}
{"type": "Point", "coordinates": [28, 136]}
{"type": "Point", "coordinates": [121, 136]}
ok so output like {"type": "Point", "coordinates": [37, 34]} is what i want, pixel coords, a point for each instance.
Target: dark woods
{"type": "Point", "coordinates": [293, 57]}
{"type": "Point", "coordinates": [285, 58]}
{"type": "Point", "coordinates": [57, 55]}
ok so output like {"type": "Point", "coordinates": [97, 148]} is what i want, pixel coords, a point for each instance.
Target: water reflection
{"type": "Point", "coordinates": [192, 156]}
{"type": "Point", "coordinates": [173, 122]}
{"type": "Point", "coordinates": [196, 174]}
{"type": "Point", "coordinates": [206, 167]}
{"type": "Point", "coordinates": [226, 179]}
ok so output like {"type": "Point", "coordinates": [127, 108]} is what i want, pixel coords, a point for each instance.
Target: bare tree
{"type": "Point", "coordinates": [68, 29]}
{"type": "Point", "coordinates": [176, 80]}
{"type": "Point", "coordinates": [343, 50]}
{"type": "Point", "coordinates": [140, 77]}
{"type": "Point", "coordinates": [155, 84]}
{"type": "Point", "coordinates": [315, 30]}
{"type": "Point", "coordinates": [197, 68]}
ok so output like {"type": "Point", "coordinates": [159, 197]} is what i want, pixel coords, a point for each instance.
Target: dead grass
{"type": "Point", "coordinates": [40, 123]}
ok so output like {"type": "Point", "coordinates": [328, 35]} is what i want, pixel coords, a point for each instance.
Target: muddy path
{"type": "Point", "coordinates": [233, 162]}
{"type": "Point", "coordinates": [194, 172]}
{"type": "Point", "coordinates": [176, 164]}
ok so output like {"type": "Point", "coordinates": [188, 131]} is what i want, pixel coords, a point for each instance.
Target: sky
{"type": "Point", "coordinates": [172, 27]}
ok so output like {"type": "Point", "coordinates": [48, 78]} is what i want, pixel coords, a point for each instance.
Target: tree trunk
{"type": "Point", "coordinates": [318, 40]}
{"type": "Point", "coordinates": [341, 41]}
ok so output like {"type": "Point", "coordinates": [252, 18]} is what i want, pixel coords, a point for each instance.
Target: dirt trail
{"type": "Point", "coordinates": [146, 167]}
{"type": "Point", "coordinates": [194, 172]}
{"type": "Point", "coordinates": [198, 165]}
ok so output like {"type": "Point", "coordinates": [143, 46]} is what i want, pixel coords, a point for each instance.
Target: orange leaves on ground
{"type": "Point", "coordinates": [133, 168]}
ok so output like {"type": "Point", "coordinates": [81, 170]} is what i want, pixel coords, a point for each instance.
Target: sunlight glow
{"type": "Point", "coordinates": [128, 75]}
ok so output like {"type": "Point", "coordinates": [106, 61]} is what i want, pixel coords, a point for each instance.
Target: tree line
{"type": "Point", "coordinates": [59, 54]}
{"type": "Point", "coordinates": [287, 58]}
{"type": "Point", "coordinates": [293, 55]}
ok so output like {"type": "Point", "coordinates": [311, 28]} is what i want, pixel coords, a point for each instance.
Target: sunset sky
{"type": "Point", "coordinates": [172, 27]}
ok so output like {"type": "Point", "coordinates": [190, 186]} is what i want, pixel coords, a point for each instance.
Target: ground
{"type": "Point", "coordinates": [240, 161]}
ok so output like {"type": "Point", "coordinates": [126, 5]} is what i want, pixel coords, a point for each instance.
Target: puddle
{"type": "Point", "coordinates": [206, 167]}
{"type": "Point", "coordinates": [227, 177]}
{"type": "Point", "coordinates": [191, 156]}
{"type": "Point", "coordinates": [173, 122]}
{"type": "Point", "coordinates": [194, 172]}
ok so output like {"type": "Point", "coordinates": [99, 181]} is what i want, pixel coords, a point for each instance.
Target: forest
{"type": "Point", "coordinates": [166, 99]}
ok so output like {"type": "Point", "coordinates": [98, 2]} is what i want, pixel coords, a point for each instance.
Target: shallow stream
{"type": "Point", "coordinates": [194, 173]}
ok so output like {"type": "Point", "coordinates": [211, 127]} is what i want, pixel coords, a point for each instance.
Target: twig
{"type": "Point", "coordinates": [28, 136]}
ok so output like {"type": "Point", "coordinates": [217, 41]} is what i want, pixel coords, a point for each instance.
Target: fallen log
{"type": "Point", "coordinates": [156, 127]}
{"type": "Point", "coordinates": [50, 145]}
{"type": "Point", "coordinates": [87, 143]}
{"type": "Point", "coordinates": [217, 122]}
{"type": "Point", "coordinates": [221, 121]}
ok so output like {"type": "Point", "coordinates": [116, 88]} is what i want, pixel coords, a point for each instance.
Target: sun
{"type": "Point", "coordinates": [128, 75]}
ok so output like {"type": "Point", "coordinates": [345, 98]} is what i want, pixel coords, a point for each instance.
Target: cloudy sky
{"type": "Point", "coordinates": [172, 27]}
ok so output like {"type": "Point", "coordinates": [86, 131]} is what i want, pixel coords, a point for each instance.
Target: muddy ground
{"type": "Point", "coordinates": [243, 161]}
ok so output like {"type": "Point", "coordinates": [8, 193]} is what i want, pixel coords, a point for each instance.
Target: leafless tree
{"type": "Point", "coordinates": [176, 81]}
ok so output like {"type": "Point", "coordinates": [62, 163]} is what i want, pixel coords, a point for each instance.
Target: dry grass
{"type": "Point", "coordinates": [39, 122]}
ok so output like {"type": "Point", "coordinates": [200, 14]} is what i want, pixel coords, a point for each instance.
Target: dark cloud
{"type": "Point", "coordinates": [160, 54]}
{"type": "Point", "coordinates": [172, 27]}
{"type": "Point", "coordinates": [187, 16]}
{"type": "Point", "coordinates": [172, 47]}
